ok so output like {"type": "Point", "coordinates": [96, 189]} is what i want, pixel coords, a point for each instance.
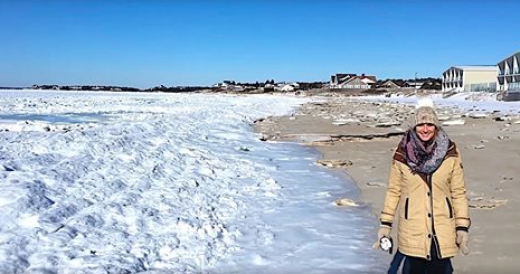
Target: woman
{"type": "Point", "coordinates": [426, 180]}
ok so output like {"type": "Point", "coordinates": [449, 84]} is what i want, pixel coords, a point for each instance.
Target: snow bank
{"type": "Point", "coordinates": [171, 183]}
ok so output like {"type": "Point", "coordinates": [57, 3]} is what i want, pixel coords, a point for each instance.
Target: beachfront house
{"type": "Point", "coordinates": [470, 78]}
{"type": "Point", "coordinates": [351, 81]}
{"type": "Point", "coordinates": [339, 78]}
{"type": "Point", "coordinates": [354, 83]}
{"type": "Point", "coordinates": [389, 84]}
{"type": "Point", "coordinates": [509, 78]}
{"type": "Point", "coordinates": [368, 79]}
{"type": "Point", "coordinates": [509, 73]}
{"type": "Point", "coordinates": [414, 84]}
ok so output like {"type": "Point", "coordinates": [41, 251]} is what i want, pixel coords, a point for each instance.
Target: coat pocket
{"type": "Point", "coordinates": [406, 209]}
{"type": "Point", "coordinates": [450, 209]}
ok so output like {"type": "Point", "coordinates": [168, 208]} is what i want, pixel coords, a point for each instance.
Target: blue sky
{"type": "Point", "coordinates": [149, 43]}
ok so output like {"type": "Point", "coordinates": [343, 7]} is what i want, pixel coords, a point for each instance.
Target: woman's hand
{"type": "Point", "coordinates": [384, 231]}
{"type": "Point", "coordinates": [462, 241]}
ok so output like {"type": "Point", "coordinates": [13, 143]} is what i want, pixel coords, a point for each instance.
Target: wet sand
{"type": "Point", "coordinates": [359, 138]}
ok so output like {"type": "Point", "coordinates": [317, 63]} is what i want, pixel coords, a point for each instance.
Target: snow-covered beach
{"type": "Point", "coordinates": [97, 182]}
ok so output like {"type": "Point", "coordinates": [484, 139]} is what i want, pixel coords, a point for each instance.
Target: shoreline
{"type": "Point", "coordinates": [358, 137]}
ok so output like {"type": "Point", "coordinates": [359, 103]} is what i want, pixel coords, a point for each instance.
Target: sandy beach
{"type": "Point", "coordinates": [359, 137]}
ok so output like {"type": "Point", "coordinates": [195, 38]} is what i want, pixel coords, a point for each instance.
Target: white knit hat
{"type": "Point", "coordinates": [425, 113]}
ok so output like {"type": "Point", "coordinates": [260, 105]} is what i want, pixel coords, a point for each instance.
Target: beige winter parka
{"type": "Point", "coordinates": [431, 207]}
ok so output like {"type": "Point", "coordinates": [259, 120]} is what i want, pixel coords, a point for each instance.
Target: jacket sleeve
{"type": "Point", "coordinates": [393, 194]}
{"type": "Point", "coordinates": [458, 196]}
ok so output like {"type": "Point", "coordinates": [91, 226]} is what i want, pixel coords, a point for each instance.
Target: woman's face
{"type": "Point", "coordinates": [425, 131]}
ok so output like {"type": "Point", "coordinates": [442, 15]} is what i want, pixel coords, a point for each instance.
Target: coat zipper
{"type": "Point", "coordinates": [406, 209]}
{"type": "Point", "coordinates": [435, 240]}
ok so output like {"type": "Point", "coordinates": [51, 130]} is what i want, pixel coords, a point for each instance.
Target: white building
{"type": "Point", "coordinates": [509, 73]}
{"type": "Point", "coordinates": [470, 78]}
{"type": "Point", "coordinates": [287, 88]}
{"type": "Point", "coordinates": [414, 84]}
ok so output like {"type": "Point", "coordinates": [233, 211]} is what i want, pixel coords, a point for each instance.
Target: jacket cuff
{"type": "Point", "coordinates": [387, 224]}
{"type": "Point", "coordinates": [462, 222]}
{"type": "Point", "coordinates": [462, 228]}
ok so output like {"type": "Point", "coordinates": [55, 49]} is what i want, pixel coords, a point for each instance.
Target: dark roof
{"type": "Point", "coordinates": [341, 75]}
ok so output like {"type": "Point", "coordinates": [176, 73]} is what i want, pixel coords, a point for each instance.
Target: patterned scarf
{"type": "Point", "coordinates": [421, 157]}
